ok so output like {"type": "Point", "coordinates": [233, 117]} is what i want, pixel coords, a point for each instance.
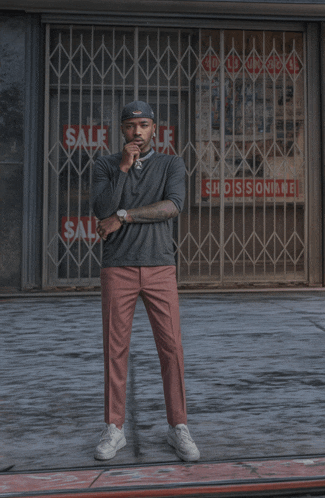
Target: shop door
{"type": "Point", "coordinates": [231, 103]}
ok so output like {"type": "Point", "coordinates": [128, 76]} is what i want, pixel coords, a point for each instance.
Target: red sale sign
{"type": "Point", "coordinates": [254, 64]}
{"type": "Point", "coordinates": [293, 65]}
{"type": "Point", "coordinates": [274, 64]}
{"type": "Point", "coordinates": [166, 140]}
{"type": "Point", "coordinates": [251, 188]}
{"type": "Point", "coordinates": [233, 63]}
{"type": "Point", "coordinates": [75, 228]}
{"type": "Point", "coordinates": [85, 136]}
{"type": "Point", "coordinates": [210, 63]}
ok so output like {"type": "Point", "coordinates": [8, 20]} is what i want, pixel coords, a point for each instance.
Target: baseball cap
{"type": "Point", "coordinates": [137, 109]}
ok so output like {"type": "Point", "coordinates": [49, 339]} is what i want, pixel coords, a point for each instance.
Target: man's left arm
{"type": "Point", "coordinates": [170, 207]}
{"type": "Point", "coordinates": [159, 211]}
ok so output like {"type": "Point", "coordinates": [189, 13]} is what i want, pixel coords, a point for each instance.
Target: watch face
{"type": "Point", "coordinates": [121, 212]}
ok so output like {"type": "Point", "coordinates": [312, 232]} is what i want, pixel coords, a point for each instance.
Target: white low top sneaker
{"type": "Point", "coordinates": [179, 437]}
{"type": "Point", "coordinates": [112, 439]}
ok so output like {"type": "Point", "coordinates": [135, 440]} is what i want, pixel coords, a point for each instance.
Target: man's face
{"type": "Point", "coordinates": [139, 131]}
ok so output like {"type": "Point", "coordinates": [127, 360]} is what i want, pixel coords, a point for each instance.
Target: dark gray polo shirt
{"type": "Point", "coordinates": [138, 244]}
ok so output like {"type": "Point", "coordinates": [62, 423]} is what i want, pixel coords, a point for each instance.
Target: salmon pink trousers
{"type": "Point", "coordinates": [157, 287]}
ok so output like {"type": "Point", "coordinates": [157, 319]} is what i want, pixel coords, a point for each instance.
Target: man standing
{"type": "Point", "coordinates": [136, 194]}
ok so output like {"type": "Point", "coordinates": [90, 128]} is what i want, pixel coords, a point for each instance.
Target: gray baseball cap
{"type": "Point", "coordinates": [137, 109]}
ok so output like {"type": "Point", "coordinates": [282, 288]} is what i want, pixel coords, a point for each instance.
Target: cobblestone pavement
{"type": "Point", "coordinates": [254, 372]}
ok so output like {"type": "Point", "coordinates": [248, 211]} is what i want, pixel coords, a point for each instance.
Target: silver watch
{"type": "Point", "coordinates": [121, 214]}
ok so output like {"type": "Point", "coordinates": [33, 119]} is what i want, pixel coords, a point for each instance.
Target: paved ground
{"type": "Point", "coordinates": [254, 366]}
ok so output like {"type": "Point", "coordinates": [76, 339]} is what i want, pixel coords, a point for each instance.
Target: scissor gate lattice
{"type": "Point", "coordinates": [231, 102]}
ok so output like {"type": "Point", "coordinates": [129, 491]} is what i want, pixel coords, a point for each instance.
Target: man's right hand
{"type": "Point", "coordinates": [108, 225]}
{"type": "Point", "coordinates": [130, 153]}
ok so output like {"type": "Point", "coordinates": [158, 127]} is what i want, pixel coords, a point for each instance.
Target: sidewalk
{"type": "Point", "coordinates": [254, 368]}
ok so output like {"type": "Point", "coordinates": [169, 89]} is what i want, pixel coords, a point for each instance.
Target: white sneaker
{"type": "Point", "coordinates": [112, 439]}
{"type": "Point", "coordinates": [179, 437]}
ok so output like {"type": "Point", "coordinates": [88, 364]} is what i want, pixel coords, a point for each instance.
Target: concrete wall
{"type": "Point", "coordinates": [12, 92]}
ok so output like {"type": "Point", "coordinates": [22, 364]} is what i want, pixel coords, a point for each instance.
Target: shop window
{"type": "Point", "coordinates": [230, 102]}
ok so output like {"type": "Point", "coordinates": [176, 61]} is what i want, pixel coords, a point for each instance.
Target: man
{"type": "Point", "coordinates": [136, 194]}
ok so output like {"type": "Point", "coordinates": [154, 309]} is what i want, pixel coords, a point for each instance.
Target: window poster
{"type": "Point", "coordinates": [262, 124]}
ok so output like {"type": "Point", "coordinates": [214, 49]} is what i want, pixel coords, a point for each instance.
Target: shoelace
{"type": "Point", "coordinates": [107, 434]}
{"type": "Point", "coordinates": [183, 433]}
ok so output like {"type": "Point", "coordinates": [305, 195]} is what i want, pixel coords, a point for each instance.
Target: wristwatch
{"type": "Point", "coordinates": [121, 214]}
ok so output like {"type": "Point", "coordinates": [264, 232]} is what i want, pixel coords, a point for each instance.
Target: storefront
{"type": "Point", "coordinates": [238, 99]}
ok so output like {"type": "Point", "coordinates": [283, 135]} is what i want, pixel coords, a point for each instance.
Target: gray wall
{"type": "Point", "coordinates": [12, 99]}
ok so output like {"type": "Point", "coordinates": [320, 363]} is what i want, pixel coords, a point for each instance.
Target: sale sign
{"type": "Point", "coordinates": [293, 65]}
{"type": "Point", "coordinates": [251, 188]}
{"type": "Point", "coordinates": [210, 63]}
{"type": "Point", "coordinates": [274, 64]}
{"type": "Point", "coordinates": [79, 228]}
{"type": "Point", "coordinates": [166, 140]}
{"type": "Point", "coordinates": [233, 63]}
{"type": "Point", "coordinates": [254, 64]}
{"type": "Point", "coordinates": [85, 136]}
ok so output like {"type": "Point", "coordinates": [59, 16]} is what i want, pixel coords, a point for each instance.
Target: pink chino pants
{"type": "Point", "coordinates": [120, 289]}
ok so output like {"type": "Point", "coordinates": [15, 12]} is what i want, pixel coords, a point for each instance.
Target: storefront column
{"type": "Point", "coordinates": [314, 166]}
{"type": "Point", "coordinates": [33, 158]}
{"type": "Point", "coordinates": [322, 48]}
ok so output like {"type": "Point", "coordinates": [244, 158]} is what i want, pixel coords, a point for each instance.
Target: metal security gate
{"type": "Point", "coordinates": [232, 103]}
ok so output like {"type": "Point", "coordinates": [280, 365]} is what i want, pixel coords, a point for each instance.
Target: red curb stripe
{"type": "Point", "coordinates": [224, 490]}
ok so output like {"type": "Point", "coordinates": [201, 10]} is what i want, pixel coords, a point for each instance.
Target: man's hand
{"type": "Point", "coordinates": [130, 153]}
{"type": "Point", "coordinates": [108, 225]}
